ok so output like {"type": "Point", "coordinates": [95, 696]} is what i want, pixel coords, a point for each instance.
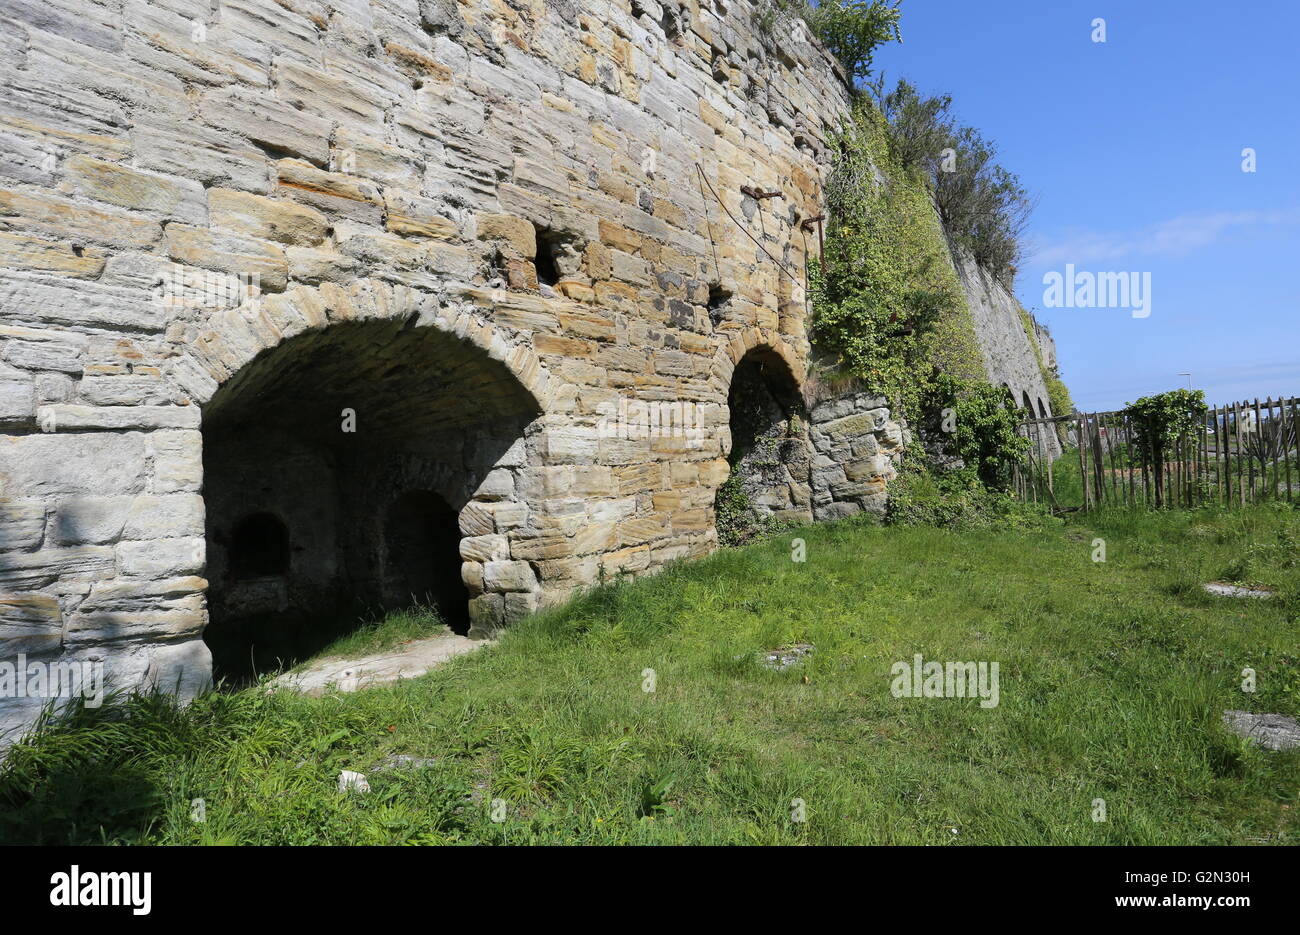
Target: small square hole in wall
{"type": "Point", "coordinates": [718, 299]}
{"type": "Point", "coordinates": [548, 248]}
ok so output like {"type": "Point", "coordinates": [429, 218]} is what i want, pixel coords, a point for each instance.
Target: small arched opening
{"type": "Point", "coordinates": [770, 454]}
{"type": "Point", "coordinates": [259, 547]}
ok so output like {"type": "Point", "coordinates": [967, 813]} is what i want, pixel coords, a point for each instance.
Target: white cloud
{"type": "Point", "coordinates": [1173, 237]}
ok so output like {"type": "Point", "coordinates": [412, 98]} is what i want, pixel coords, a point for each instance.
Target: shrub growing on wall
{"type": "Point", "coordinates": [850, 29]}
{"type": "Point", "coordinates": [983, 206]}
{"type": "Point", "coordinates": [980, 421]}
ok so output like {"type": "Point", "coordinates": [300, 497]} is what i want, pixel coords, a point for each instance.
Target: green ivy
{"type": "Point", "coordinates": [887, 303]}
{"type": "Point", "coordinates": [980, 421]}
{"type": "Point", "coordinates": [735, 519]}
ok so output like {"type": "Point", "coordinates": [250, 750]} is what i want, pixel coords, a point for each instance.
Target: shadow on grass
{"type": "Point", "coordinates": [77, 779]}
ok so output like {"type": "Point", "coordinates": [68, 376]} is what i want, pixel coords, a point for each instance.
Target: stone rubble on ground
{"type": "Point", "coordinates": [1273, 731]}
{"type": "Point", "coordinates": [1234, 590]}
{"type": "Point", "coordinates": [781, 659]}
{"type": "Point", "coordinates": [350, 781]}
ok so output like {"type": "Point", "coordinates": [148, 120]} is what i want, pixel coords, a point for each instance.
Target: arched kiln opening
{"type": "Point", "coordinates": [770, 453]}
{"type": "Point", "coordinates": [336, 466]}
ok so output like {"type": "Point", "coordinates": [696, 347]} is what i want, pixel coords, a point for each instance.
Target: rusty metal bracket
{"type": "Point", "coordinates": [757, 193]}
{"type": "Point", "coordinates": [807, 226]}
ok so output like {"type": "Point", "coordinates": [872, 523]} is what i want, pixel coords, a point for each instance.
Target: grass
{"type": "Point", "coordinates": [385, 632]}
{"type": "Point", "coordinates": [1114, 677]}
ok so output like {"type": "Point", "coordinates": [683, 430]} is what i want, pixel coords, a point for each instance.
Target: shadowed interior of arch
{"type": "Point", "coordinates": [335, 468]}
{"type": "Point", "coordinates": [770, 457]}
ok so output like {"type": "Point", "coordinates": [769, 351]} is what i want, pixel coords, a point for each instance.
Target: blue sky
{"type": "Point", "coordinates": [1132, 148]}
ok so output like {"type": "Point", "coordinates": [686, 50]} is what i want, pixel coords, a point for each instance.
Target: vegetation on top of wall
{"type": "Point", "coordinates": [982, 205]}
{"type": "Point", "coordinates": [849, 29]}
{"type": "Point", "coordinates": [887, 304]}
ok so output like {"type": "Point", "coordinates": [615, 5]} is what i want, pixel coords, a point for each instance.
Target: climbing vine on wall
{"type": "Point", "coordinates": [980, 420]}
{"type": "Point", "coordinates": [887, 303]}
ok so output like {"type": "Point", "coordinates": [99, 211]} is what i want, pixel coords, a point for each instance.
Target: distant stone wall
{"type": "Point", "coordinates": [1009, 357]}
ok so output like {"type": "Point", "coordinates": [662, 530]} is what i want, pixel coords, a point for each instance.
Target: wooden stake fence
{"type": "Point", "coordinates": [1241, 453]}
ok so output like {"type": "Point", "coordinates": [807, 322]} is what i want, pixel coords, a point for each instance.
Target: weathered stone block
{"type": "Point", "coordinates": [230, 253]}
{"type": "Point", "coordinates": [177, 461]}
{"type": "Point", "coordinates": [23, 571]}
{"type": "Point", "coordinates": [161, 558]}
{"type": "Point", "coordinates": [173, 197]}
{"type": "Point", "coordinates": [508, 576]}
{"type": "Point", "coordinates": [29, 623]}
{"type": "Point", "coordinates": [17, 400]}
{"type": "Point", "coordinates": [266, 218]}
{"type": "Point", "coordinates": [265, 118]}
{"type": "Point", "coordinates": [518, 233]}
{"type": "Point", "coordinates": [61, 417]}
{"type": "Point", "coordinates": [60, 465]}
{"type": "Point", "coordinates": [25, 251]}
{"type": "Point", "coordinates": [89, 520]}
{"type": "Point", "coordinates": [485, 548]}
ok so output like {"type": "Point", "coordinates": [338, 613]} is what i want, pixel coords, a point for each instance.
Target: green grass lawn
{"type": "Point", "coordinates": [1114, 677]}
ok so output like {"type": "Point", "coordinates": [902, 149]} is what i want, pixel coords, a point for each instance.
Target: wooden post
{"type": "Point", "coordinates": [1158, 462]}
{"type": "Point", "coordinates": [1285, 425]}
{"type": "Point", "coordinates": [1110, 452]}
{"type": "Point", "coordinates": [1083, 460]}
{"type": "Point", "coordinates": [1241, 472]}
{"type": "Point", "coordinates": [1098, 472]}
{"type": "Point", "coordinates": [1225, 442]}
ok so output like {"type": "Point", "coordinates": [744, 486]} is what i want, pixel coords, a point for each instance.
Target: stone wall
{"type": "Point", "coordinates": [1009, 358]}
{"type": "Point", "coordinates": [563, 193]}
{"type": "Point", "coordinates": [315, 259]}
{"type": "Point", "coordinates": [857, 449]}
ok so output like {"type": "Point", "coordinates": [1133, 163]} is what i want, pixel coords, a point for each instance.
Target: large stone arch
{"type": "Point", "coordinates": [348, 415]}
{"type": "Point", "coordinates": [232, 338]}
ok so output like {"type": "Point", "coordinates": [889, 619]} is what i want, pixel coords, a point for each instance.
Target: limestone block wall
{"type": "Point", "coordinates": [1009, 357]}
{"type": "Point", "coordinates": [857, 449]}
{"type": "Point", "coordinates": [568, 195]}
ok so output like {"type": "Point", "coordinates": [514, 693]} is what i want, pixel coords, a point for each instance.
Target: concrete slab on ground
{"type": "Point", "coordinates": [406, 662]}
